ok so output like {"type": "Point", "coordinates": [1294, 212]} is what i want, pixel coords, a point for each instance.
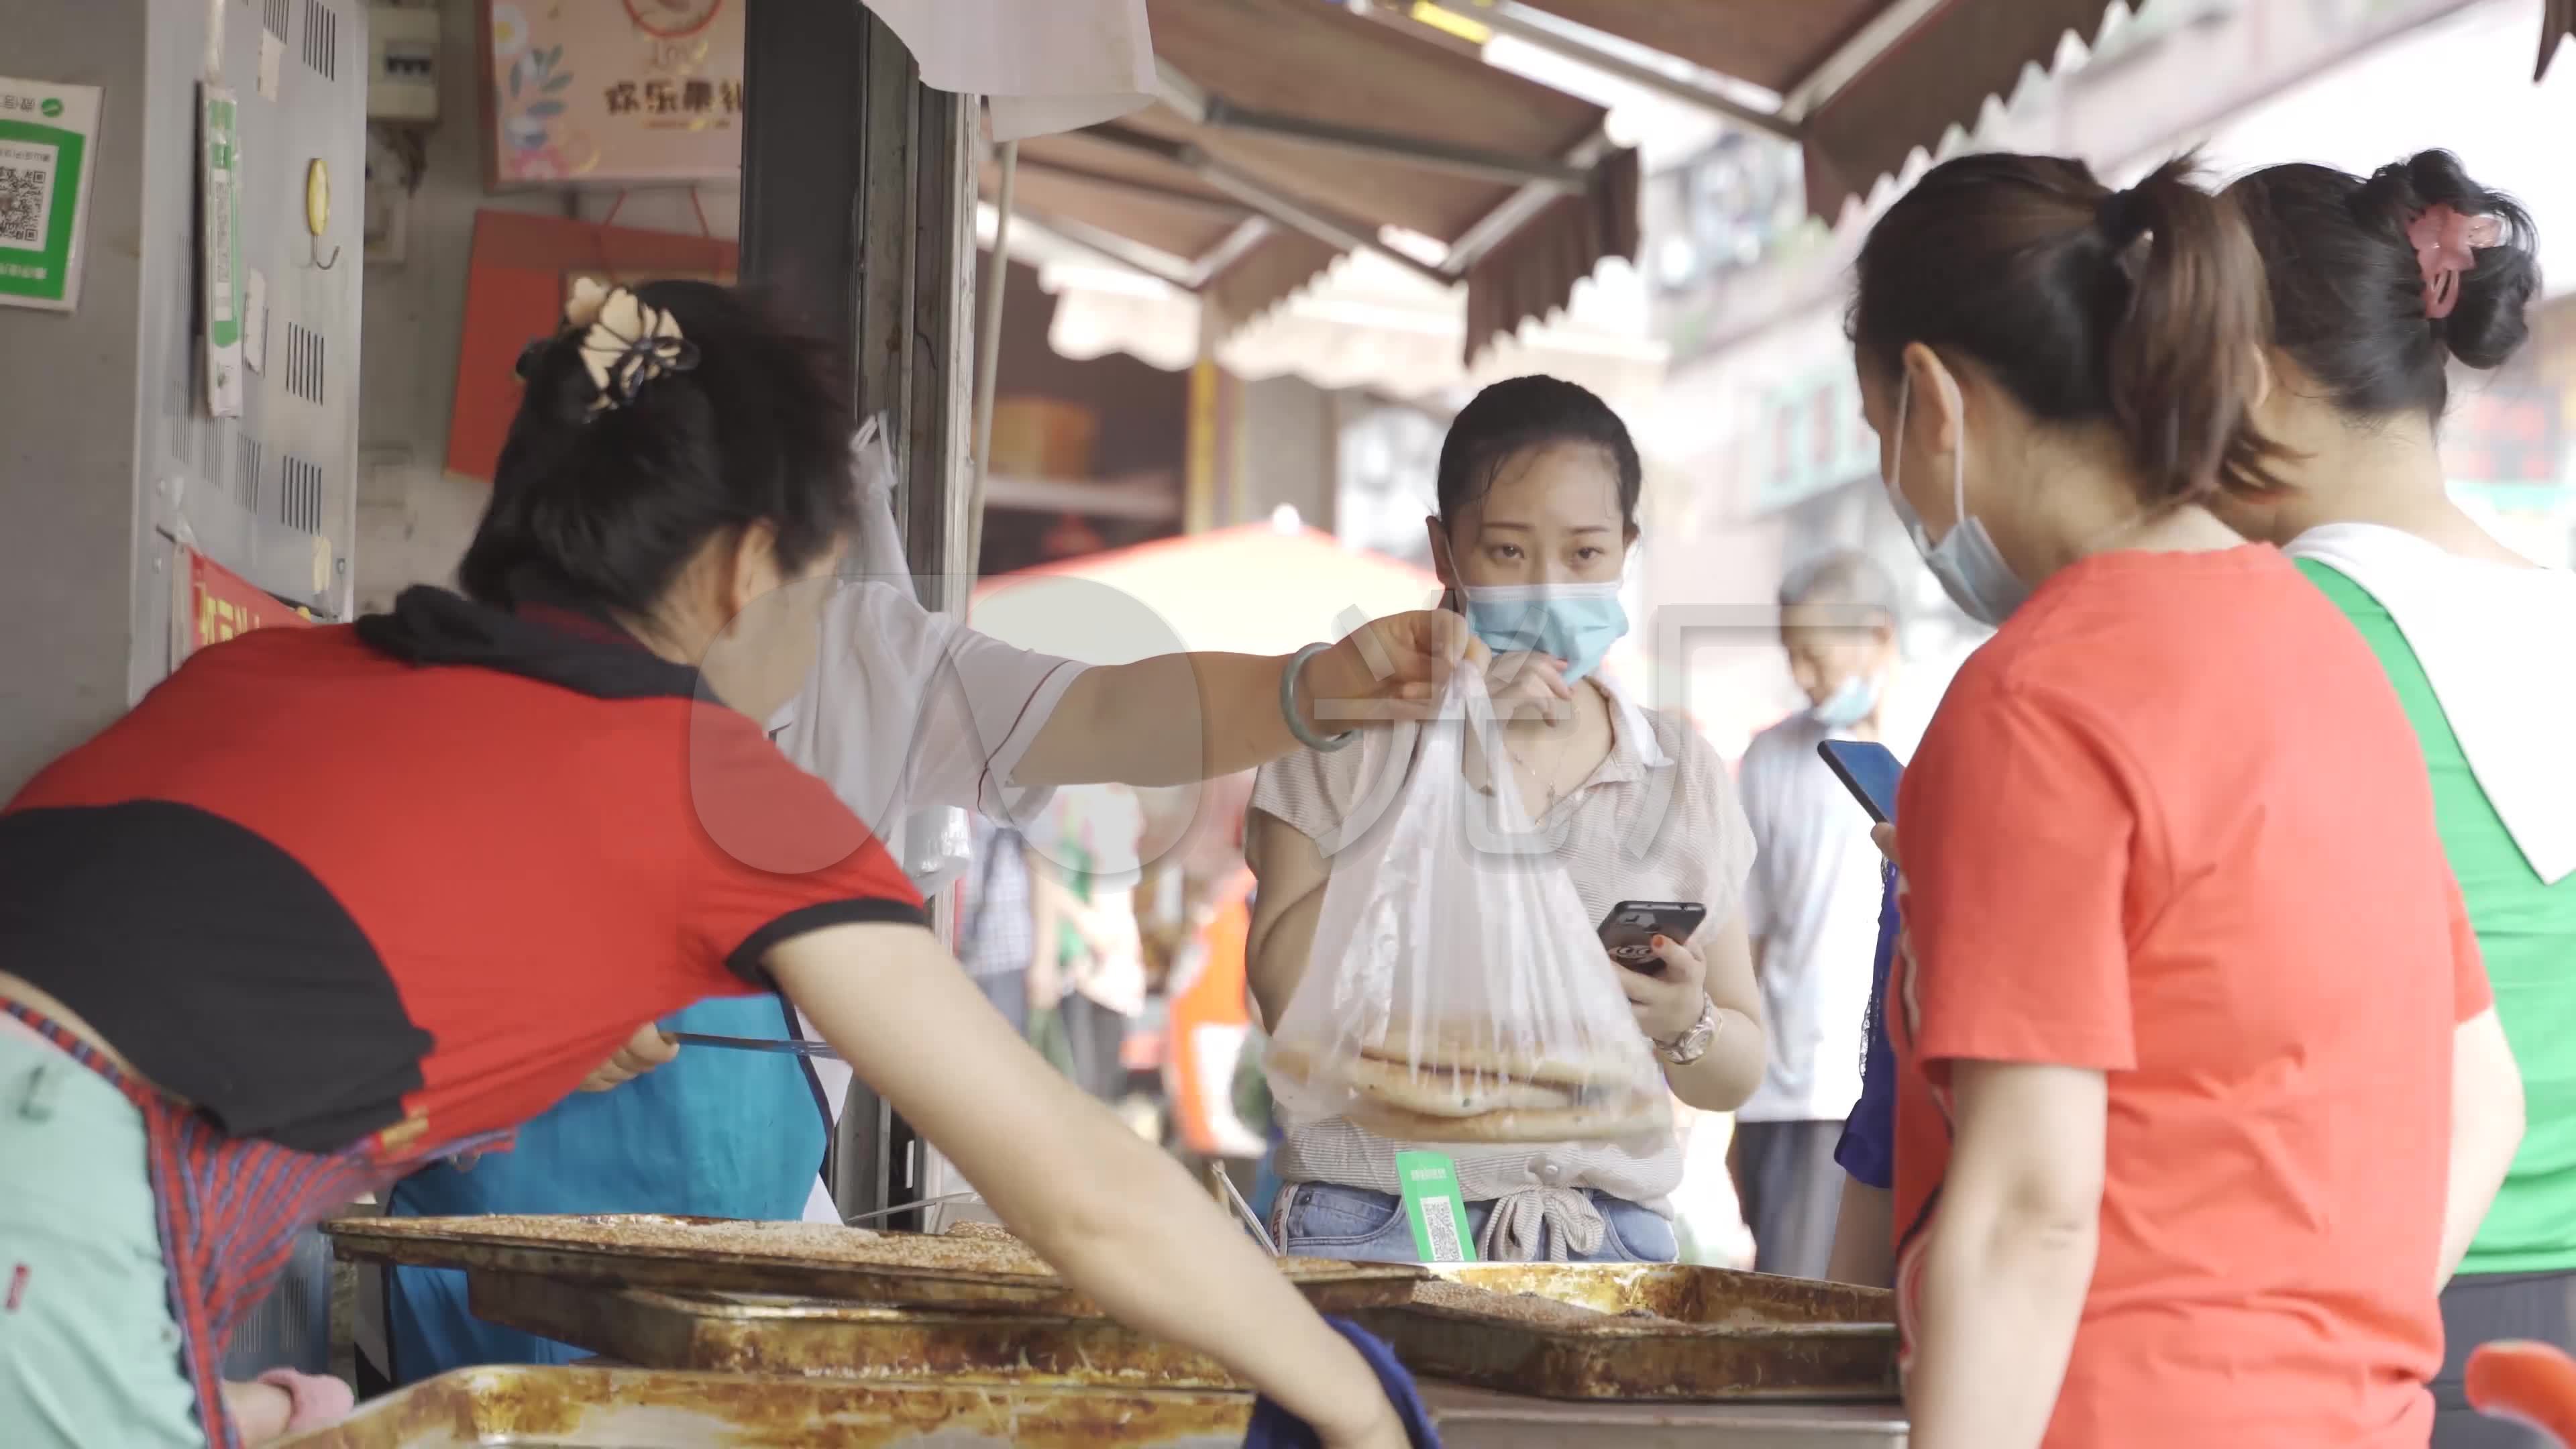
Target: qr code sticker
{"type": "Point", "coordinates": [1442, 1230]}
{"type": "Point", "coordinates": [26, 194]}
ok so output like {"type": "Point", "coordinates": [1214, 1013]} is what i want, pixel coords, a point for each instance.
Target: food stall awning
{"type": "Point", "coordinates": [1862, 83]}
{"type": "Point", "coordinates": [1069, 63]}
{"type": "Point", "coordinates": [1362, 322]}
{"type": "Point", "coordinates": [1257, 589]}
{"type": "Point", "coordinates": [1286, 133]}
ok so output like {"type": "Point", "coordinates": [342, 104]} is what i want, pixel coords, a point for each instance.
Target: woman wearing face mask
{"type": "Point", "coordinates": [418, 877]}
{"type": "Point", "coordinates": [2174, 1011]}
{"type": "Point", "coordinates": [2378, 284]}
{"type": "Point", "coordinates": [1538, 487]}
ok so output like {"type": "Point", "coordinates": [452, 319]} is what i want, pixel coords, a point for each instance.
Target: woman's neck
{"type": "Point", "coordinates": [2387, 473]}
{"type": "Point", "coordinates": [2092, 507]}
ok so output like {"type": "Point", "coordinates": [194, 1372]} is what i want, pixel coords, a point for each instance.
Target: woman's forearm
{"type": "Point", "coordinates": [1179, 718]}
{"type": "Point", "coordinates": [2010, 1257]}
{"type": "Point", "coordinates": [1729, 1071]}
{"type": "Point", "coordinates": [1864, 1251]}
{"type": "Point", "coordinates": [2486, 1131]}
{"type": "Point", "coordinates": [2001, 1295]}
{"type": "Point", "coordinates": [1116, 1216]}
{"type": "Point", "coordinates": [1207, 1284]}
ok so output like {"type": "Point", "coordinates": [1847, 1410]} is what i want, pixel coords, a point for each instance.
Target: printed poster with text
{"type": "Point", "coordinates": [48, 149]}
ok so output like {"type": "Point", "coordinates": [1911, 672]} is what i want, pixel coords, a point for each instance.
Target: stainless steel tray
{"type": "Point", "coordinates": [719, 1255]}
{"type": "Point", "coordinates": [581, 1407]}
{"type": "Point", "coordinates": [1667, 1332]}
{"type": "Point", "coordinates": [605, 1408]}
{"type": "Point", "coordinates": [770, 1334]}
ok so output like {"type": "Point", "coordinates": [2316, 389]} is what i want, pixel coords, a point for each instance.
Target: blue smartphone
{"type": "Point", "coordinates": [1869, 770]}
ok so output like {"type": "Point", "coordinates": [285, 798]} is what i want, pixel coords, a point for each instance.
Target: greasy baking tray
{"type": "Point", "coordinates": [770, 1334]}
{"type": "Point", "coordinates": [1663, 1331]}
{"type": "Point", "coordinates": [604, 1408]}
{"type": "Point", "coordinates": [805, 1260]}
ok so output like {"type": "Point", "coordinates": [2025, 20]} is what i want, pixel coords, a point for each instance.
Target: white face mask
{"type": "Point", "coordinates": [1971, 570]}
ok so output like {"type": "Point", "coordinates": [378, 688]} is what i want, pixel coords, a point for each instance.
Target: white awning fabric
{"type": "Point", "coordinates": [1365, 322]}
{"type": "Point", "coordinates": [1042, 69]}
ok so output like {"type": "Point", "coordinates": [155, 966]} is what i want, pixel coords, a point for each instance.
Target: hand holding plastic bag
{"type": "Point", "coordinates": [1457, 992]}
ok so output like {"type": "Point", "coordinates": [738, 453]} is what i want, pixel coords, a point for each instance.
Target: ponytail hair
{"type": "Point", "coordinates": [2141, 309]}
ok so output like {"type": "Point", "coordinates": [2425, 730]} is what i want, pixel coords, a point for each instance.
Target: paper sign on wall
{"type": "Point", "coordinates": [222, 604]}
{"type": "Point", "coordinates": [48, 148]}
{"type": "Point", "coordinates": [219, 265]}
{"type": "Point", "coordinates": [255, 322]}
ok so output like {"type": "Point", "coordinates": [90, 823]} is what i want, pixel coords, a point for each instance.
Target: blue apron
{"type": "Point", "coordinates": [721, 1133]}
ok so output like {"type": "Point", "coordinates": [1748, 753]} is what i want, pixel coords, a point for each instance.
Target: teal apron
{"type": "Point", "coordinates": [731, 1134]}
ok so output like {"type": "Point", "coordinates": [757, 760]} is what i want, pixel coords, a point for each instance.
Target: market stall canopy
{"type": "Point", "coordinates": [1258, 589]}
{"type": "Point", "coordinates": [1288, 132]}
{"type": "Point", "coordinates": [1069, 63]}
{"type": "Point", "coordinates": [1363, 322]}
{"type": "Point", "coordinates": [1861, 83]}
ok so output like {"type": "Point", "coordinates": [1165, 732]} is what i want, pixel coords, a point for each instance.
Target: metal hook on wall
{"type": "Point", "coordinates": [320, 265]}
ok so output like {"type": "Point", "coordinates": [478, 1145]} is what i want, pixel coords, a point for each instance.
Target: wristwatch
{"type": "Point", "coordinates": [1695, 1040]}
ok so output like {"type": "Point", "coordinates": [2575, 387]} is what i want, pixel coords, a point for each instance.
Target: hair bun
{"type": "Point", "coordinates": [2492, 318]}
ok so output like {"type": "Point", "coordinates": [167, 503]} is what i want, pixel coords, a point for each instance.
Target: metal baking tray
{"type": "Point", "coordinates": [614, 1408]}
{"type": "Point", "coordinates": [770, 1334]}
{"type": "Point", "coordinates": [1670, 1332]}
{"type": "Point", "coordinates": [530, 1246]}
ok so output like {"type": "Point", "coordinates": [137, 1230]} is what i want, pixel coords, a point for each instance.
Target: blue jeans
{"type": "Point", "coordinates": [1326, 1220]}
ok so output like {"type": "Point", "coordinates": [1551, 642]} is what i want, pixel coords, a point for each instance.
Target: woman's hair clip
{"type": "Point", "coordinates": [2446, 244]}
{"type": "Point", "coordinates": [625, 343]}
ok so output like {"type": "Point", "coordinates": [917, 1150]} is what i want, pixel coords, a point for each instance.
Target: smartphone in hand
{"type": "Point", "coordinates": [1869, 770]}
{"type": "Point", "coordinates": [1628, 933]}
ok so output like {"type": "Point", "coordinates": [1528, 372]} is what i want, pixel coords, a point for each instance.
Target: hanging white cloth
{"type": "Point", "coordinates": [2494, 640]}
{"type": "Point", "coordinates": [1043, 68]}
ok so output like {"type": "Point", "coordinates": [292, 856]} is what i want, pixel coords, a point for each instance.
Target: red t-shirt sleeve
{"type": "Point", "coordinates": [773, 853]}
{"type": "Point", "coordinates": [2470, 993]}
{"type": "Point", "coordinates": [2016, 832]}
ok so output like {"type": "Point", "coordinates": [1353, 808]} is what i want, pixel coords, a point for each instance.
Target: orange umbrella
{"type": "Point", "coordinates": [1257, 589]}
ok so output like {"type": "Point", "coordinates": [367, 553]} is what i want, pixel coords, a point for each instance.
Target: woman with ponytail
{"type": "Point", "coordinates": [2174, 1007]}
{"type": "Point", "coordinates": [2378, 286]}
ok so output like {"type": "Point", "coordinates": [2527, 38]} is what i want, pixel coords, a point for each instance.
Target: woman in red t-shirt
{"type": "Point", "coordinates": [329, 904]}
{"type": "Point", "coordinates": [2182, 961]}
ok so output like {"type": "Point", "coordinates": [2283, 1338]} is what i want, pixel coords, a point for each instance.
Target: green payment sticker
{"type": "Point", "coordinates": [1435, 1207]}
{"type": "Point", "coordinates": [40, 192]}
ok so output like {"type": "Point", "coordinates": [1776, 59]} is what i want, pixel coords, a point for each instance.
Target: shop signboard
{"type": "Point", "coordinates": [612, 94]}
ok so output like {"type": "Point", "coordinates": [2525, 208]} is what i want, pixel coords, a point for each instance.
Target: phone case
{"type": "Point", "coordinates": [1628, 933]}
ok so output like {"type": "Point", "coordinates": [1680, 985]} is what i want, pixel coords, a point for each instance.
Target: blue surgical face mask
{"type": "Point", "coordinates": [1574, 622]}
{"type": "Point", "coordinates": [1848, 705]}
{"type": "Point", "coordinates": [1971, 570]}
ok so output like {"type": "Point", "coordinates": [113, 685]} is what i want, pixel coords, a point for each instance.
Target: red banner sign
{"type": "Point", "coordinates": [222, 603]}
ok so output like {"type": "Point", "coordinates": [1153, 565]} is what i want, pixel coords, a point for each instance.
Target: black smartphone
{"type": "Point", "coordinates": [1628, 933]}
{"type": "Point", "coordinates": [1869, 770]}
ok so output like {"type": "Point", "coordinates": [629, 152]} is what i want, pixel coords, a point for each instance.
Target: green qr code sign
{"type": "Point", "coordinates": [28, 173]}
{"type": "Point", "coordinates": [47, 136]}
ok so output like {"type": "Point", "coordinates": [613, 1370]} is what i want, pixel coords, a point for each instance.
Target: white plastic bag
{"type": "Point", "coordinates": [1457, 992]}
